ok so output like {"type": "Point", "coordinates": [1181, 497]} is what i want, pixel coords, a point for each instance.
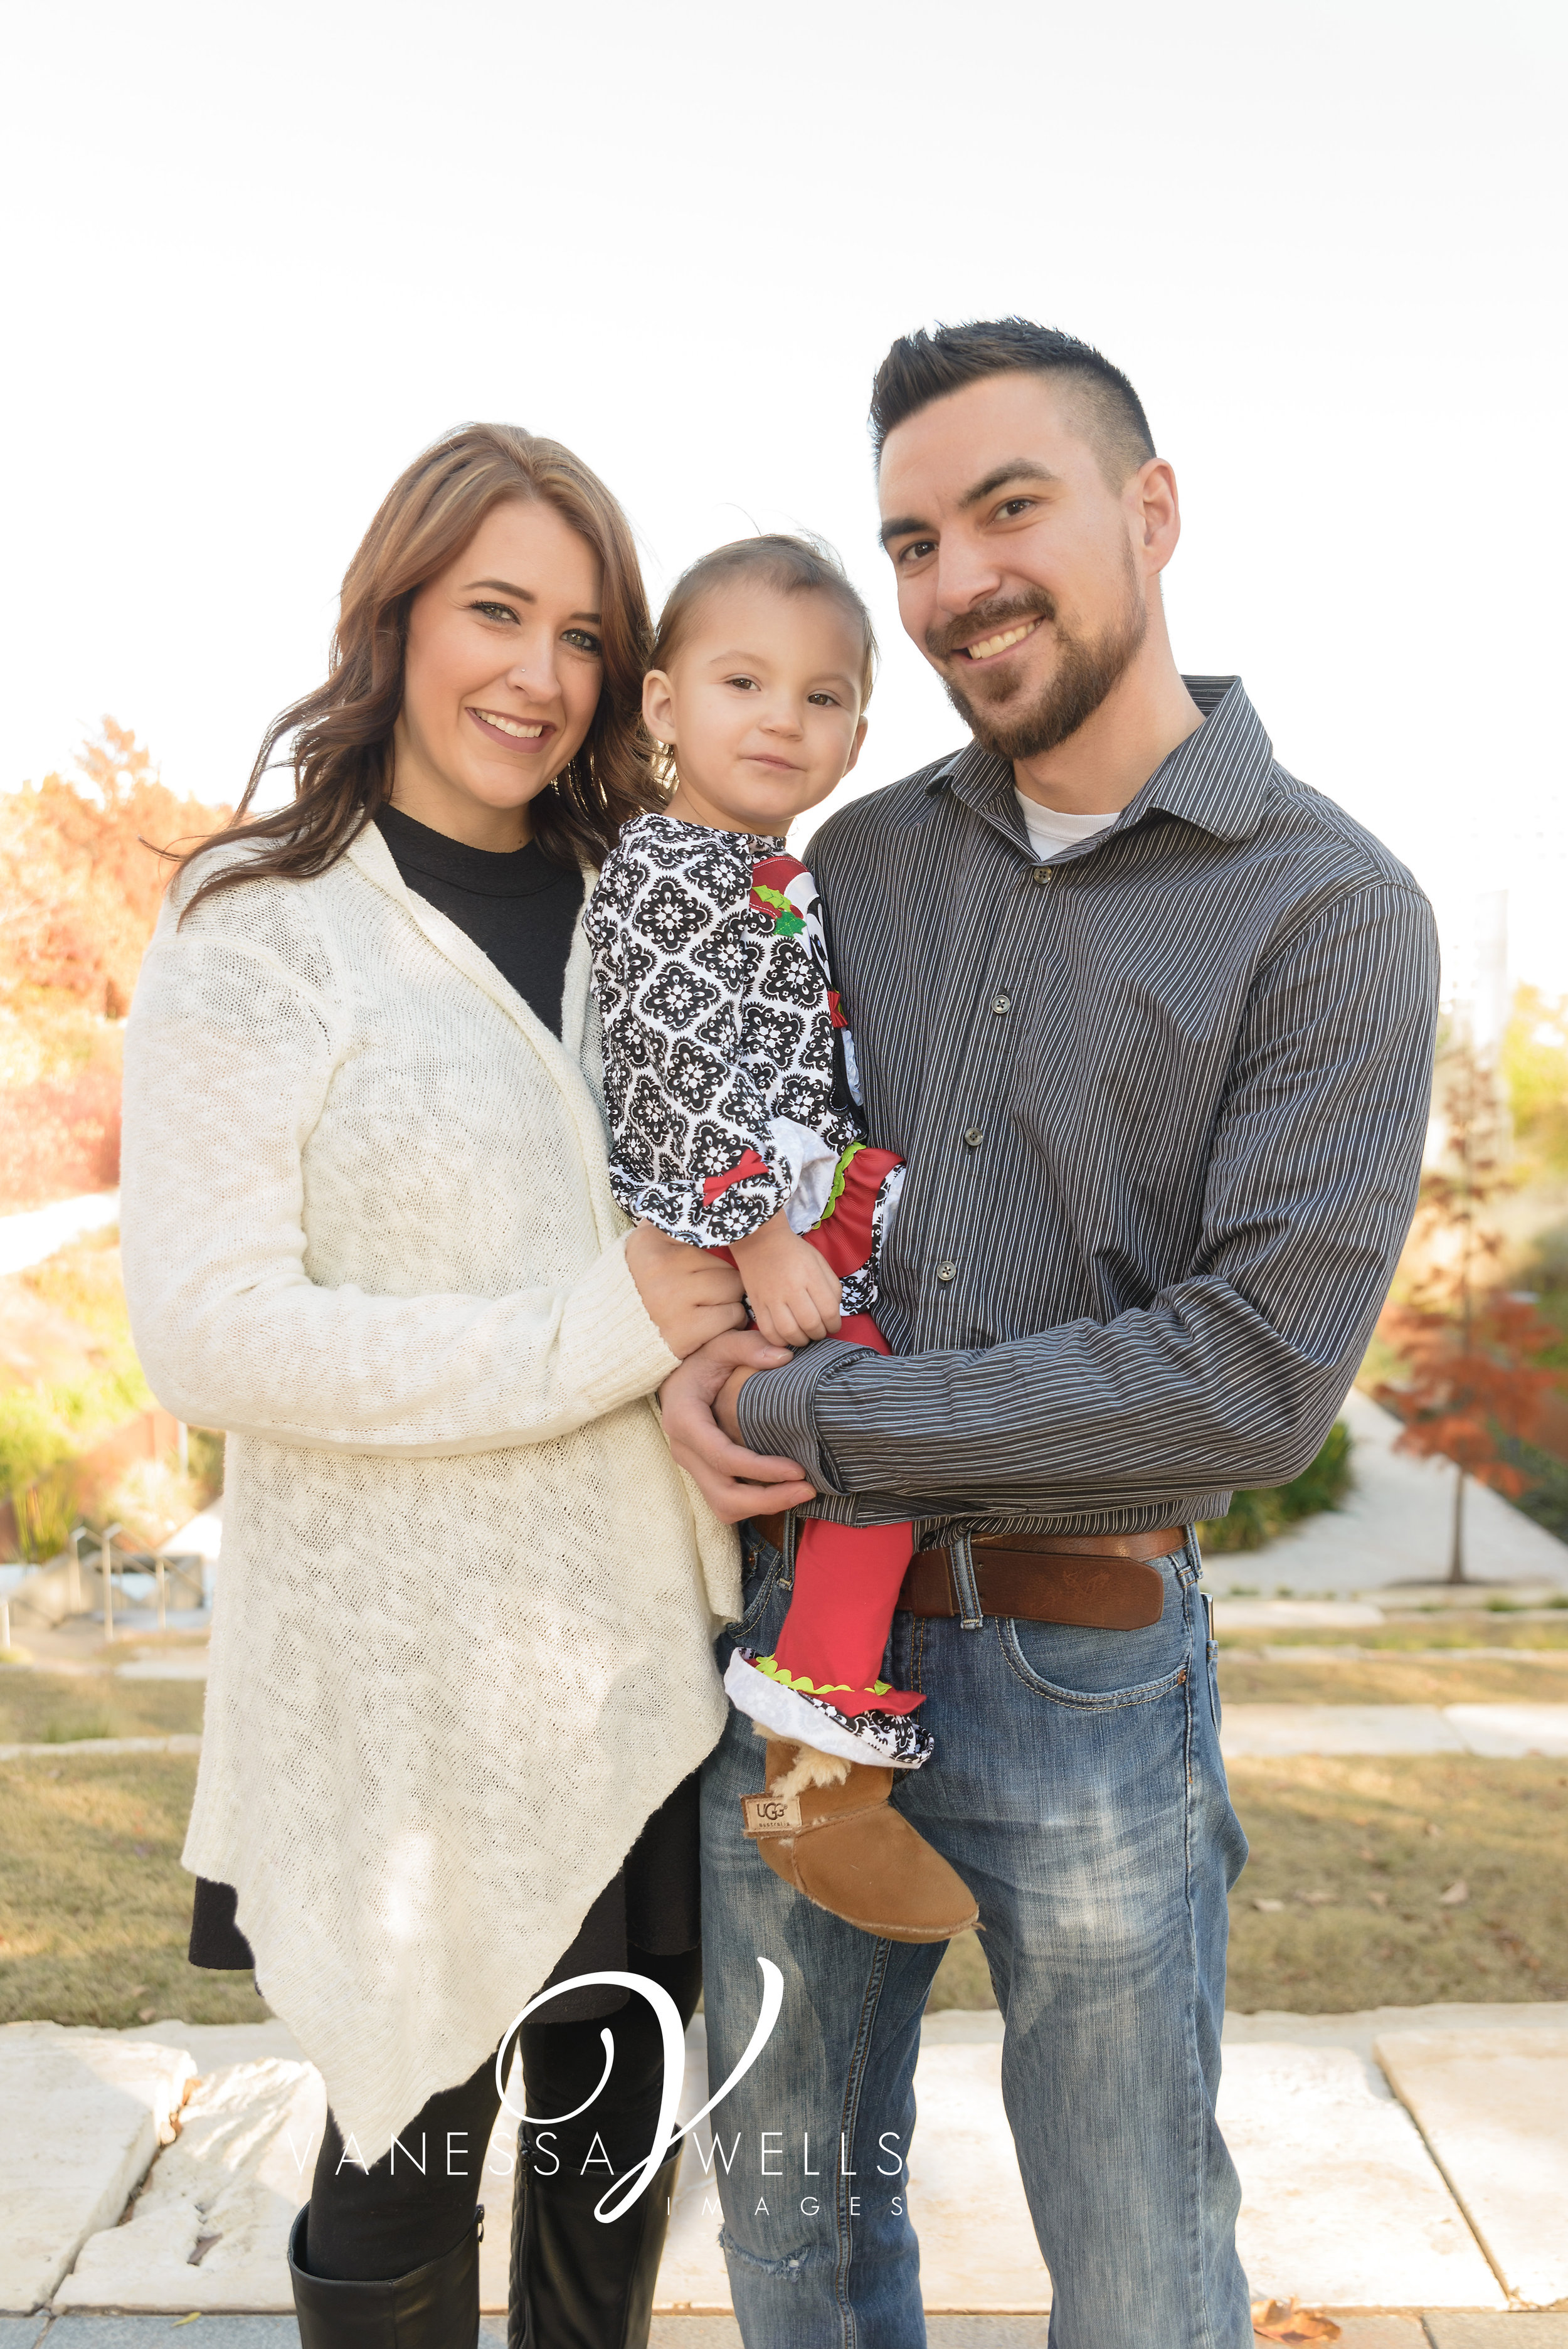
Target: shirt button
{"type": "Point", "coordinates": [947, 1272]}
{"type": "Point", "coordinates": [1001, 1003]}
{"type": "Point", "coordinates": [974, 1137]}
{"type": "Point", "coordinates": [1042, 873]}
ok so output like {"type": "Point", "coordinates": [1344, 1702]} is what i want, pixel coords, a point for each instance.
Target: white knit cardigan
{"type": "Point", "coordinates": [461, 1648]}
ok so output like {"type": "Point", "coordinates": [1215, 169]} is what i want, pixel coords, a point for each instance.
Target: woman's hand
{"type": "Point", "coordinates": [735, 1483]}
{"type": "Point", "coordinates": [794, 1294]}
{"type": "Point", "coordinates": [688, 1295]}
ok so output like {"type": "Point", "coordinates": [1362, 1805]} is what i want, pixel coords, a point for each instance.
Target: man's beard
{"type": "Point", "coordinates": [1087, 672]}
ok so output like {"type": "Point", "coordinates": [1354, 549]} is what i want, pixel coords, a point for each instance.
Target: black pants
{"type": "Point", "coordinates": [370, 2226]}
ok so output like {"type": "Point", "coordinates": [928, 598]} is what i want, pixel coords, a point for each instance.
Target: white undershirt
{"type": "Point", "coordinates": [1050, 830]}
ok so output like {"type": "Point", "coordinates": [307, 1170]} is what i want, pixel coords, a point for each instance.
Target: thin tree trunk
{"type": "Point", "coordinates": [1457, 1539]}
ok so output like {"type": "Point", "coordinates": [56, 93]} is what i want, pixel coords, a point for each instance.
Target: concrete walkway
{"type": "Point", "coordinates": [27, 1239]}
{"type": "Point", "coordinates": [1393, 1527]}
{"type": "Point", "coordinates": [1407, 2160]}
{"type": "Point", "coordinates": [1502, 1732]}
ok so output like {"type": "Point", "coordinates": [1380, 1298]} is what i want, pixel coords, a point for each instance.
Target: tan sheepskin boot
{"type": "Point", "coordinates": [826, 1827]}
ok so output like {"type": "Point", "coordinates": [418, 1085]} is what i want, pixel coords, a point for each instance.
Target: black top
{"type": "Point", "coordinates": [516, 906]}
{"type": "Point", "coordinates": [522, 911]}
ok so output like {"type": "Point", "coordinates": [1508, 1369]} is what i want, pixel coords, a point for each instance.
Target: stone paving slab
{"type": "Point", "coordinates": [1293, 1614]}
{"type": "Point", "coordinates": [1362, 2029]}
{"type": "Point", "coordinates": [1341, 2202]}
{"type": "Point", "coordinates": [181, 1744]}
{"type": "Point", "coordinates": [1380, 2332]}
{"type": "Point", "coordinates": [1510, 1731]}
{"type": "Point", "coordinates": [1530, 2330]}
{"type": "Point", "coordinates": [978, 2247]}
{"type": "Point", "coordinates": [99, 2103]}
{"type": "Point", "coordinates": [1274, 1731]}
{"type": "Point", "coordinates": [209, 2228]}
{"type": "Point", "coordinates": [166, 2332]}
{"type": "Point", "coordinates": [1493, 2108]}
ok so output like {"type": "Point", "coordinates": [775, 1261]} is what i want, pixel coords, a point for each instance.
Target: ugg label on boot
{"type": "Point", "coordinates": [770, 1813]}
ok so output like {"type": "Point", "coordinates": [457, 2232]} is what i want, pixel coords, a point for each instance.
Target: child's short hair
{"type": "Point", "coordinates": [794, 567]}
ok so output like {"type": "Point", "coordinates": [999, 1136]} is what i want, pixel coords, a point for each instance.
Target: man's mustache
{"type": "Point", "coordinates": [985, 619]}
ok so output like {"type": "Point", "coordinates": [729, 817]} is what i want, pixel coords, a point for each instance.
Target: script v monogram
{"type": "Point", "coordinates": [669, 2130]}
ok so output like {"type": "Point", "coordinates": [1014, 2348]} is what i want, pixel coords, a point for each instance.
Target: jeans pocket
{"type": "Point", "coordinates": [1097, 1671]}
{"type": "Point", "coordinates": [1030, 1662]}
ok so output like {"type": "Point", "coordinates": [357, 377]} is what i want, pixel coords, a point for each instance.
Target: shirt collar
{"type": "Point", "coordinates": [1217, 779]}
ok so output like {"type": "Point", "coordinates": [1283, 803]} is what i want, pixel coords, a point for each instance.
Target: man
{"type": "Point", "coordinates": [1151, 1023]}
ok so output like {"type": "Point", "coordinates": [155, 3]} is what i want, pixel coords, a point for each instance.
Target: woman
{"type": "Point", "coordinates": [462, 1670]}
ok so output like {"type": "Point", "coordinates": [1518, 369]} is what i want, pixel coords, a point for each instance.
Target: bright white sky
{"type": "Point", "coordinates": [258, 256]}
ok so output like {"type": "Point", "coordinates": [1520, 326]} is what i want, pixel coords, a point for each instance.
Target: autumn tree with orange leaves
{"type": "Point", "coordinates": [80, 884]}
{"type": "Point", "coordinates": [1471, 1350]}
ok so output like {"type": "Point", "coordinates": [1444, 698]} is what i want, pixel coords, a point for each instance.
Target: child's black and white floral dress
{"type": "Point", "coordinates": [730, 1071]}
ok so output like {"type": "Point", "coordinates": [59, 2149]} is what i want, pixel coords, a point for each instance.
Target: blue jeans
{"type": "Point", "coordinates": [1078, 1790]}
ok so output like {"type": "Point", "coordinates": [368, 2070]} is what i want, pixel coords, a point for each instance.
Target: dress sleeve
{"type": "Point", "coordinates": [676, 955]}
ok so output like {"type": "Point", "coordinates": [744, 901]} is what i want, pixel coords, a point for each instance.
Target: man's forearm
{"type": "Point", "coordinates": [1193, 1396]}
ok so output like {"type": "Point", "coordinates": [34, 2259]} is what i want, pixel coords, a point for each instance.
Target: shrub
{"type": "Point", "coordinates": [1254, 1519]}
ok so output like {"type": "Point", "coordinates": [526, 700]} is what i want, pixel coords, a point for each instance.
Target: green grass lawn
{"type": "Point", "coordinates": [1358, 1852]}
{"type": "Point", "coordinates": [1509, 1677]}
{"type": "Point", "coordinates": [43, 1708]}
{"type": "Point", "coordinates": [95, 1907]}
{"type": "Point", "coordinates": [1399, 1633]}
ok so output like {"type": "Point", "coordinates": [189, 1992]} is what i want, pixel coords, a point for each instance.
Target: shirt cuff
{"type": "Point", "coordinates": [778, 1409]}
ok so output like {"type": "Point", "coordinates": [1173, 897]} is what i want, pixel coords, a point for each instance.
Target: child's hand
{"type": "Point", "coordinates": [794, 1296]}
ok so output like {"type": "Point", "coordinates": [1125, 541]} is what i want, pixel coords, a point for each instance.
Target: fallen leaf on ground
{"type": "Point", "coordinates": [1455, 1896]}
{"type": "Point", "coordinates": [1314, 1899]}
{"type": "Point", "coordinates": [1286, 2320]}
{"type": "Point", "coordinates": [1269, 1907]}
{"type": "Point", "coordinates": [1378, 1899]}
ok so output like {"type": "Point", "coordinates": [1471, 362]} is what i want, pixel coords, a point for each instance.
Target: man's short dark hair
{"type": "Point", "coordinates": [922, 367]}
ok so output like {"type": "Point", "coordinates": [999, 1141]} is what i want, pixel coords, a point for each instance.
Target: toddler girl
{"type": "Point", "coordinates": [730, 1079]}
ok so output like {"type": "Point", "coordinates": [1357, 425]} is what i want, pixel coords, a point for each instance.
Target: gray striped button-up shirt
{"type": "Point", "coordinates": [1162, 1099]}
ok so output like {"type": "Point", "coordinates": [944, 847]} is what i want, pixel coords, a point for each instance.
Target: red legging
{"type": "Point", "coordinates": [847, 1580]}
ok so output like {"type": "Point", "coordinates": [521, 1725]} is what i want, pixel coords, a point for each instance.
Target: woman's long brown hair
{"type": "Point", "coordinates": [341, 734]}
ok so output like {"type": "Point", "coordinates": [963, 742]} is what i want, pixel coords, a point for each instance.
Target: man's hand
{"type": "Point", "coordinates": [689, 1294]}
{"type": "Point", "coordinates": [735, 1483]}
{"type": "Point", "coordinates": [794, 1294]}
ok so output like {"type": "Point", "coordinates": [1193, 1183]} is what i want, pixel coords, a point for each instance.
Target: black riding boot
{"type": "Point", "coordinates": [433, 2307]}
{"type": "Point", "coordinates": [576, 2283]}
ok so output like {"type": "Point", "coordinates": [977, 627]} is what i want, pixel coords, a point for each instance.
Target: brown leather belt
{"type": "Point", "coordinates": [1106, 1582]}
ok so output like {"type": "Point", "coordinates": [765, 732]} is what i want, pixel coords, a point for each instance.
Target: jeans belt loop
{"type": "Point", "coordinates": [786, 1566]}
{"type": "Point", "coordinates": [960, 1564]}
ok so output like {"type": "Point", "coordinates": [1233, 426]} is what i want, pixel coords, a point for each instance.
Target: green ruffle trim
{"type": "Point", "coordinates": [837, 1193]}
{"type": "Point", "coordinates": [776, 1671]}
{"type": "Point", "coordinates": [785, 919]}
